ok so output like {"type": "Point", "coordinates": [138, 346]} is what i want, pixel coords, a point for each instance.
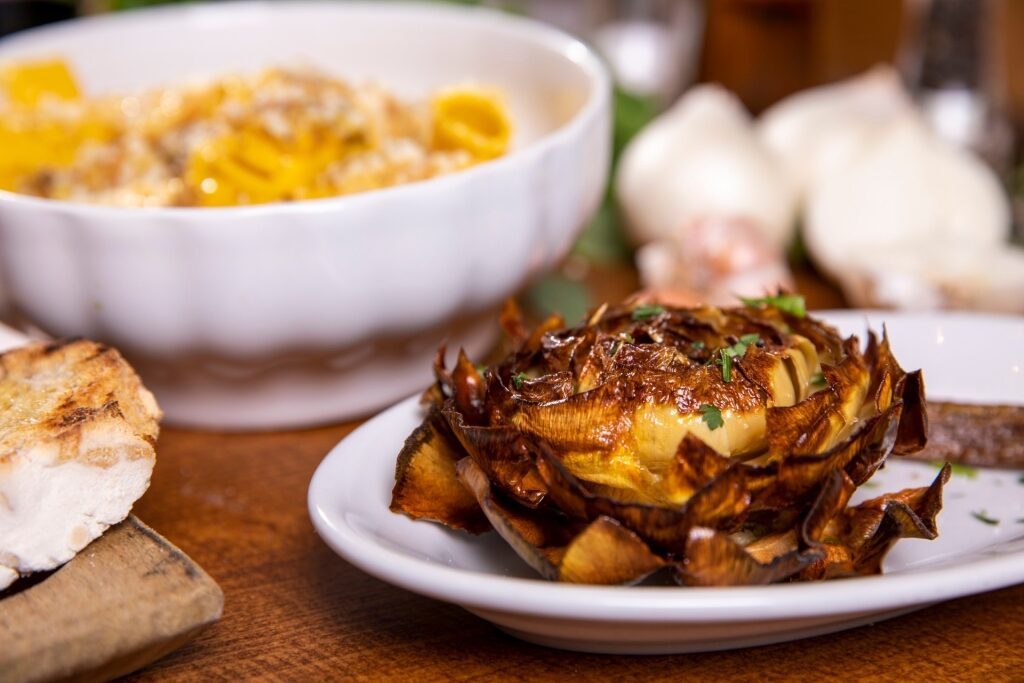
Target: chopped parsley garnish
{"type": "Point", "coordinates": [481, 369]}
{"type": "Point", "coordinates": [615, 347]}
{"type": "Point", "coordinates": [818, 380]}
{"type": "Point", "coordinates": [983, 517]}
{"type": "Point", "coordinates": [517, 379]}
{"type": "Point", "coordinates": [697, 344]}
{"type": "Point", "coordinates": [647, 311]}
{"type": "Point", "coordinates": [962, 470]}
{"type": "Point", "coordinates": [793, 304]}
{"type": "Point", "coordinates": [737, 350]}
{"type": "Point", "coordinates": [711, 416]}
{"type": "Point", "coordinates": [628, 337]}
{"type": "Point", "coordinates": [725, 360]}
{"type": "Point", "coordinates": [750, 339]}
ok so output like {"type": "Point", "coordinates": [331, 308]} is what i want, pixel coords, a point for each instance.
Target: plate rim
{"type": "Point", "coordinates": [652, 604]}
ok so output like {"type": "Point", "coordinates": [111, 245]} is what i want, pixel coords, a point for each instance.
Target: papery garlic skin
{"type": "Point", "coordinates": [906, 188]}
{"type": "Point", "coordinates": [988, 278]}
{"type": "Point", "coordinates": [701, 158]}
{"type": "Point", "coordinates": [816, 132]}
{"type": "Point", "coordinates": [913, 222]}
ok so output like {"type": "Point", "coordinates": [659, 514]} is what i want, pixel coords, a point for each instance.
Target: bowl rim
{"type": "Point", "coordinates": [544, 35]}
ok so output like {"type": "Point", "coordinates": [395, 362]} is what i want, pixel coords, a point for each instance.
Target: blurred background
{"type": "Point", "coordinates": [952, 59]}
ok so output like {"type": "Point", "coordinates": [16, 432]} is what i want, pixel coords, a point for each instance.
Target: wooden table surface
{"type": "Point", "coordinates": [236, 503]}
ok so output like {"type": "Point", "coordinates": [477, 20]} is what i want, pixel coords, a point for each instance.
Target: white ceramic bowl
{"type": "Point", "coordinates": [293, 314]}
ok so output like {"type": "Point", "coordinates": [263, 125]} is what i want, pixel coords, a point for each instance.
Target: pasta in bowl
{"type": "Point", "coordinates": [288, 313]}
{"type": "Point", "coordinates": [281, 134]}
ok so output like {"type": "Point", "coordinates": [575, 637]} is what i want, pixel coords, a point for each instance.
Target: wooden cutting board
{"type": "Point", "coordinates": [126, 600]}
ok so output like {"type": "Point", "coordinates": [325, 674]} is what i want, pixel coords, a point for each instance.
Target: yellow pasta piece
{"type": "Point", "coordinates": [25, 83]}
{"type": "Point", "coordinates": [251, 167]}
{"type": "Point", "coordinates": [471, 119]}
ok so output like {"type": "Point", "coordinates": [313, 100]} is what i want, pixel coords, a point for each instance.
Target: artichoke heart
{"type": "Point", "coordinates": [721, 443]}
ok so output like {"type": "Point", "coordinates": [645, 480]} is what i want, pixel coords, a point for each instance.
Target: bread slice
{"type": "Point", "coordinates": [77, 436]}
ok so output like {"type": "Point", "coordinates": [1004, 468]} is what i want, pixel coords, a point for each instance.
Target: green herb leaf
{"type": "Point", "coordinates": [647, 311]}
{"type": "Point", "coordinates": [615, 347]}
{"type": "Point", "coordinates": [481, 369]}
{"type": "Point", "coordinates": [962, 470]}
{"type": "Point", "coordinates": [983, 517]}
{"type": "Point", "coordinates": [750, 339]}
{"type": "Point", "coordinates": [793, 304]}
{"type": "Point", "coordinates": [628, 337]}
{"type": "Point", "coordinates": [517, 380]}
{"type": "Point", "coordinates": [739, 349]}
{"type": "Point", "coordinates": [725, 361]}
{"type": "Point", "coordinates": [818, 380]}
{"type": "Point", "coordinates": [697, 344]}
{"type": "Point", "coordinates": [711, 416]}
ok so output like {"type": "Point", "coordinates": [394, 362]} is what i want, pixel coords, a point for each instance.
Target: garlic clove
{"type": "Point", "coordinates": [938, 276]}
{"type": "Point", "coordinates": [817, 131]}
{"type": "Point", "coordinates": [905, 190]}
{"type": "Point", "coordinates": [701, 158]}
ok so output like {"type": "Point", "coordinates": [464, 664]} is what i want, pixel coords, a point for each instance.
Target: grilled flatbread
{"type": "Point", "coordinates": [77, 436]}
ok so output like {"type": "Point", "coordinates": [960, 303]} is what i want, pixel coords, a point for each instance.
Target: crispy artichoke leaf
{"type": "Point", "coordinates": [781, 483]}
{"type": "Point", "coordinates": [890, 383]}
{"type": "Point", "coordinates": [872, 527]}
{"type": "Point", "coordinates": [835, 493]}
{"type": "Point", "coordinates": [504, 456]}
{"type": "Point", "coordinates": [713, 559]}
{"type": "Point", "coordinates": [469, 389]}
{"type": "Point", "coordinates": [525, 530]}
{"type": "Point", "coordinates": [511, 320]}
{"type": "Point", "coordinates": [426, 485]}
{"type": "Point", "coordinates": [594, 421]}
{"type": "Point", "coordinates": [913, 431]}
{"type": "Point", "coordinates": [601, 552]}
{"type": "Point", "coordinates": [720, 504]}
{"type": "Point", "coordinates": [693, 468]}
{"type": "Point", "coordinates": [607, 553]}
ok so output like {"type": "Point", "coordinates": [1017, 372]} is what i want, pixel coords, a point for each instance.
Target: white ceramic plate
{"type": "Point", "coordinates": [965, 357]}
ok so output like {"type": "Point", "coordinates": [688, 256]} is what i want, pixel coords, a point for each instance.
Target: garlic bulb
{"type": "Point", "coordinates": [817, 131]}
{"type": "Point", "coordinates": [701, 158]}
{"type": "Point", "coordinates": [913, 222]}
{"type": "Point", "coordinates": [934, 276]}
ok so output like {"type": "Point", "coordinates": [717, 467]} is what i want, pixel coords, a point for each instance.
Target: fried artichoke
{"type": "Point", "coordinates": [722, 445]}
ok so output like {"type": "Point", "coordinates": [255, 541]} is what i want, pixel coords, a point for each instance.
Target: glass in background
{"type": "Point", "coordinates": [651, 46]}
{"type": "Point", "coordinates": [950, 64]}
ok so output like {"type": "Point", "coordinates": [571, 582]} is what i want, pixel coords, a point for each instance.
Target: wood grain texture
{"type": "Point", "coordinates": [127, 599]}
{"type": "Point", "coordinates": [295, 611]}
